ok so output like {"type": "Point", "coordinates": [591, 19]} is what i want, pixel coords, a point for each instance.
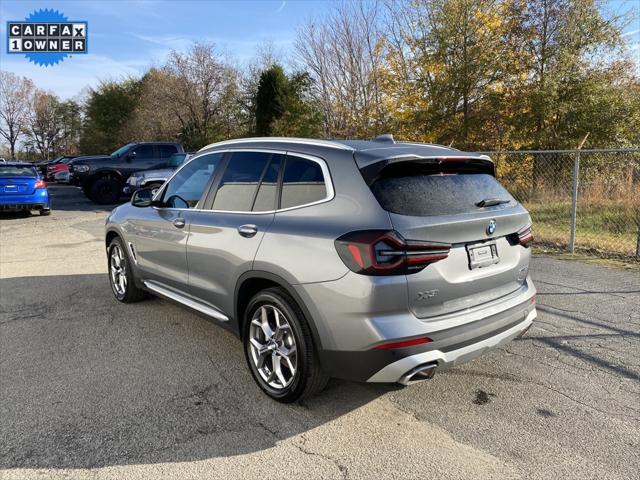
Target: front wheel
{"type": "Point", "coordinates": [121, 276]}
{"type": "Point", "coordinates": [279, 347]}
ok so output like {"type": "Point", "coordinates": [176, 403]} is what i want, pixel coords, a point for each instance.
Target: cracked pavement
{"type": "Point", "coordinates": [90, 388]}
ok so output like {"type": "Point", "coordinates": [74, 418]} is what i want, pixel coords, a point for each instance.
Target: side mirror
{"type": "Point", "coordinates": [142, 198]}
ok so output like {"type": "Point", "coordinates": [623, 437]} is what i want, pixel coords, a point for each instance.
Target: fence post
{"type": "Point", "coordinates": [574, 196]}
{"type": "Point", "coordinates": [638, 242]}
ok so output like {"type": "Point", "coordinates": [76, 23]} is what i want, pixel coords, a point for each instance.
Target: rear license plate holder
{"type": "Point", "coordinates": [482, 254]}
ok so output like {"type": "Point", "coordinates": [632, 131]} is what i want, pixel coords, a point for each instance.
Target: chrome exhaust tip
{"type": "Point", "coordinates": [419, 373]}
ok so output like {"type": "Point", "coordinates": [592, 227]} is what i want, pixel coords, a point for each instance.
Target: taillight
{"type": "Point", "coordinates": [40, 184]}
{"type": "Point", "coordinates": [385, 252]}
{"type": "Point", "coordinates": [525, 236]}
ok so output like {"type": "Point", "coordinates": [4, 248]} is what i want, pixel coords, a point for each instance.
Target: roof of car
{"type": "Point", "coordinates": [19, 164]}
{"type": "Point", "coordinates": [366, 152]}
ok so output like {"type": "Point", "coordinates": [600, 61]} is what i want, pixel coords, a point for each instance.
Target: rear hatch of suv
{"type": "Point", "coordinates": [456, 202]}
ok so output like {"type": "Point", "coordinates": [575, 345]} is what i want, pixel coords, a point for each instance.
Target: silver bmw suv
{"type": "Point", "coordinates": [375, 261]}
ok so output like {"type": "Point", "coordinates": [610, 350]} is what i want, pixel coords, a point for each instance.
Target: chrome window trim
{"type": "Point", "coordinates": [328, 181]}
{"type": "Point", "coordinates": [304, 141]}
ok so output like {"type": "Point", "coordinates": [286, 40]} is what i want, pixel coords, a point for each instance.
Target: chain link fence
{"type": "Point", "coordinates": [581, 201]}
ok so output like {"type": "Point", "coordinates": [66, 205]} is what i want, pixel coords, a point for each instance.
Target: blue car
{"type": "Point", "coordinates": [22, 188]}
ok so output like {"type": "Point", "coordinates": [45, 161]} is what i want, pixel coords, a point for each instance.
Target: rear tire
{"type": "Point", "coordinates": [105, 191]}
{"type": "Point", "coordinates": [281, 355]}
{"type": "Point", "coordinates": [121, 277]}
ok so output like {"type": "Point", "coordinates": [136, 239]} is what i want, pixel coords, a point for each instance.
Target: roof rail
{"type": "Point", "coordinates": [306, 141]}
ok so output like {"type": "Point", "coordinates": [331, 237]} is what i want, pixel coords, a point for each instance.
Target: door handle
{"type": "Point", "coordinates": [247, 230]}
{"type": "Point", "coordinates": [178, 222]}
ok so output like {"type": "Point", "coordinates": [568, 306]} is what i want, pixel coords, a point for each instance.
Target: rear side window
{"type": "Point", "coordinates": [240, 181]}
{"type": "Point", "coordinates": [303, 183]}
{"type": "Point", "coordinates": [439, 194]}
{"type": "Point", "coordinates": [17, 171]}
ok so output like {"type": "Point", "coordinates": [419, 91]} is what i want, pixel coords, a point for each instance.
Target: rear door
{"type": "Point", "coordinates": [442, 202]}
{"type": "Point", "coordinates": [225, 236]}
{"type": "Point", "coordinates": [17, 180]}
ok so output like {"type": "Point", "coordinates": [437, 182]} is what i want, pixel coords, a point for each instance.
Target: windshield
{"type": "Point", "coordinates": [121, 150]}
{"type": "Point", "coordinates": [17, 171]}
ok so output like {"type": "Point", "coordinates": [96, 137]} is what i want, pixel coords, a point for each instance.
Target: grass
{"type": "Point", "coordinates": [607, 229]}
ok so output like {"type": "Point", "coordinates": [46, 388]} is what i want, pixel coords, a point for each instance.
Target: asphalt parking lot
{"type": "Point", "coordinates": [90, 388]}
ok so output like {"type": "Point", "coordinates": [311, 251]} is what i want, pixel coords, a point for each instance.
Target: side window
{"type": "Point", "coordinates": [303, 182]}
{"type": "Point", "coordinates": [167, 150]}
{"type": "Point", "coordinates": [187, 186]}
{"type": "Point", "coordinates": [268, 189]}
{"type": "Point", "coordinates": [240, 181]}
{"type": "Point", "coordinates": [144, 152]}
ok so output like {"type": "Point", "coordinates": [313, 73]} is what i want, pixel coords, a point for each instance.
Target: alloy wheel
{"type": "Point", "coordinates": [118, 271]}
{"type": "Point", "coordinates": [273, 347]}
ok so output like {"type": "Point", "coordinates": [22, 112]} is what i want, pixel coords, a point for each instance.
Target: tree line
{"type": "Point", "coordinates": [475, 74]}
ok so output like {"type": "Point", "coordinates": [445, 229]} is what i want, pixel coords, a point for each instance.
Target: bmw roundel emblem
{"type": "Point", "coordinates": [491, 228]}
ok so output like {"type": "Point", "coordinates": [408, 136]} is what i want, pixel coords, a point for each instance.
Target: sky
{"type": "Point", "coordinates": [126, 37]}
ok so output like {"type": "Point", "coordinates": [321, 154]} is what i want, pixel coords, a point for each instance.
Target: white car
{"type": "Point", "coordinates": [62, 177]}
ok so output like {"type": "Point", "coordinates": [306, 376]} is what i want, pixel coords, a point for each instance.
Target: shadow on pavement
{"type": "Point", "coordinates": [89, 382]}
{"type": "Point", "coordinates": [71, 198]}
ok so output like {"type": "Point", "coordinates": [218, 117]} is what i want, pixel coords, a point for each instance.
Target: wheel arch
{"type": "Point", "coordinates": [253, 282]}
{"type": "Point", "coordinates": [110, 235]}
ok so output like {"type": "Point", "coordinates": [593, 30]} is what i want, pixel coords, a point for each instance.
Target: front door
{"type": "Point", "coordinates": [161, 233]}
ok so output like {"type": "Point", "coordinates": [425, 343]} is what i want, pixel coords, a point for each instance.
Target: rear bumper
{"type": "Point", "coordinates": [350, 327]}
{"type": "Point", "coordinates": [400, 370]}
{"type": "Point", "coordinates": [36, 201]}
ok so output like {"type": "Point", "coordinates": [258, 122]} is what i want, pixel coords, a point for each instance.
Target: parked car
{"type": "Point", "coordinates": [43, 164]}
{"type": "Point", "coordinates": [60, 165]}
{"type": "Point", "coordinates": [22, 188]}
{"type": "Point", "coordinates": [61, 177]}
{"type": "Point", "coordinates": [102, 177]}
{"type": "Point", "coordinates": [154, 178]}
{"type": "Point", "coordinates": [373, 261]}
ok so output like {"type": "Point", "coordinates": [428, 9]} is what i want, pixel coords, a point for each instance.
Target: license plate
{"type": "Point", "coordinates": [482, 255]}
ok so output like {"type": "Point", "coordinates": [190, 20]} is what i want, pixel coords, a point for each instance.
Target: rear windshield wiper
{"type": "Point", "coordinates": [490, 202]}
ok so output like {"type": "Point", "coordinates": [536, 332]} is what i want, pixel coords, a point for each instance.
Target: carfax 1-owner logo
{"type": "Point", "coordinates": [46, 37]}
